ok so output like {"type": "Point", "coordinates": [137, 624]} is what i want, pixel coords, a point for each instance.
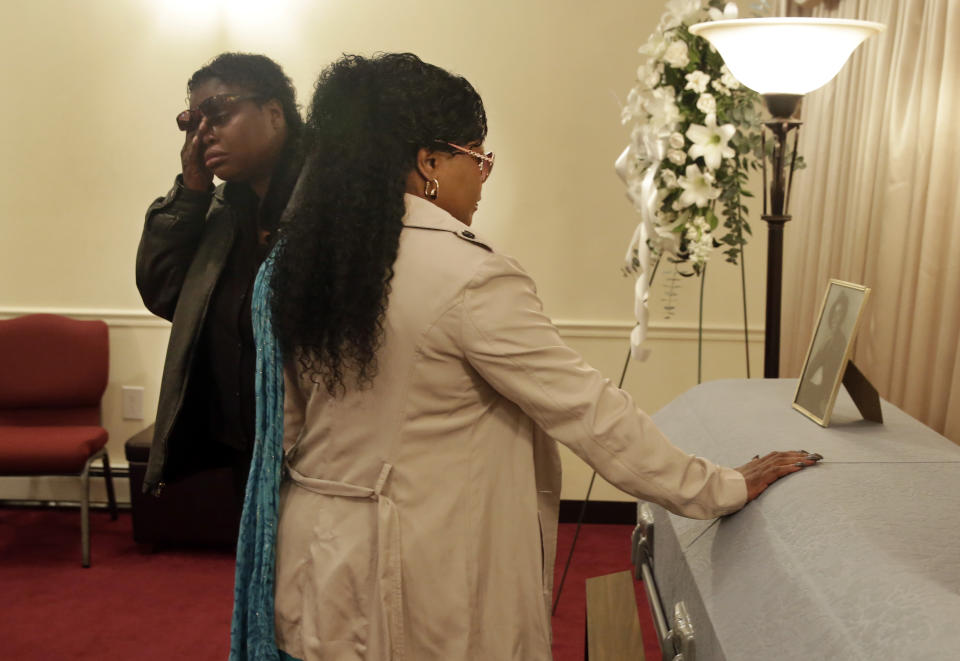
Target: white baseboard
{"type": "Point", "coordinates": [577, 328]}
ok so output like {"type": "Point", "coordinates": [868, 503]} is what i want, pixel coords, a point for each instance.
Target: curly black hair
{"type": "Point", "coordinates": [257, 74]}
{"type": "Point", "coordinates": [368, 119]}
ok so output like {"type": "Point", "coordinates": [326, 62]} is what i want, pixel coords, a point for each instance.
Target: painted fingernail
{"type": "Point", "coordinates": [800, 464]}
{"type": "Point", "coordinates": [756, 456]}
{"type": "Point", "coordinates": [815, 456]}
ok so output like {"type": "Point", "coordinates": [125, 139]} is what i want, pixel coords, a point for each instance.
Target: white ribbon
{"type": "Point", "coordinates": [643, 195]}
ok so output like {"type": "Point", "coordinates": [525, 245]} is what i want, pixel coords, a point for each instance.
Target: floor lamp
{"type": "Point", "coordinates": [782, 59]}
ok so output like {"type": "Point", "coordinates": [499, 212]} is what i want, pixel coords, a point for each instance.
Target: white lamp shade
{"type": "Point", "coordinates": [785, 55]}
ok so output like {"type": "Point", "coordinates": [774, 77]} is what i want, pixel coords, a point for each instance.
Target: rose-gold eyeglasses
{"type": "Point", "coordinates": [485, 161]}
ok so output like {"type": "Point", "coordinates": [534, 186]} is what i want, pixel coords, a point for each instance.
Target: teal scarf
{"type": "Point", "coordinates": [252, 634]}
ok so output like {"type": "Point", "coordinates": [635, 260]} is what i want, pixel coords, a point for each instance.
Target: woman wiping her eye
{"type": "Point", "coordinates": [199, 253]}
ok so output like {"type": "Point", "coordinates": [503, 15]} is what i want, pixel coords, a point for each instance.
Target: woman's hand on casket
{"type": "Point", "coordinates": [761, 472]}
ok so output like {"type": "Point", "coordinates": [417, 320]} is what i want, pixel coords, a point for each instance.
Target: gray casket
{"type": "Point", "coordinates": [856, 558]}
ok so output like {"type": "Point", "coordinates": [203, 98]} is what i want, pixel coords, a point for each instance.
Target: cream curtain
{"type": "Point", "coordinates": [879, 205]}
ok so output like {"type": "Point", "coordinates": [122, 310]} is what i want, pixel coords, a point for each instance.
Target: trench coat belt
{"type": "Point", "coordinates": [388, 547]}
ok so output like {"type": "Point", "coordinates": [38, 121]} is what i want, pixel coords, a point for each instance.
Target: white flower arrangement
{"type": "Point", "coordinates": [695, 133]}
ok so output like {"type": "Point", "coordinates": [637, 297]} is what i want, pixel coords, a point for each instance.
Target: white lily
{"type": "Point", "coordinates": [697, 188]}
{"type": "Point", "coordinates": [655, 46]}
{"type": "Point", "coordinates": [662, 105]}
{"type": "Point", "coordinates": [679, 11]}
{"type": "Point", "coordinates": [711, 142]}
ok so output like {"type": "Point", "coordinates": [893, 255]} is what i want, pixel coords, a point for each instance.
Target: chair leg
{"type": "Point", "coordinates": [85, 515]}
{"type": "Point", "coordinates": [111, 497]}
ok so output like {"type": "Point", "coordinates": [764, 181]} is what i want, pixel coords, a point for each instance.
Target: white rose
{"type": "Point", "coordinates": [668, 178]}
{"type": "Point", "coordinates": [649, 75]}
{"type": "Point", "coordinates": [720, 87]}
{"type": "Point", "coordinates": [677, 55]}
{"type": "Point", "coordinates": [677, 141]}
{"type": "Point", "coordinates": [677, 157]}
{"type": "Point", "coordinates": [654, 74]}
{"type": "Point", "coordinates": [707, 104]}
{"type": "Point", "coordinates": [727, 78]}
{"type": "Point", "coordinates": [697, 81]}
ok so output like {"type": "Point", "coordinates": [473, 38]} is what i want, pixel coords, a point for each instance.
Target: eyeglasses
{"type": "Point", "coordinates": [217, 109]}
{"type": "Point", "coordinates": [485, 161]}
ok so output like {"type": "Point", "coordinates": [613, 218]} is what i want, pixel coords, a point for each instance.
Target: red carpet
{"type": "Point", "coordinates": [175, 604]}
{"type": "Point", "coordinates": [601, 549]}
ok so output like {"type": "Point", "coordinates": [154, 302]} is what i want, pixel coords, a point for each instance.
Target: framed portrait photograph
{"type": "Point", "coordinates": [830, 349]}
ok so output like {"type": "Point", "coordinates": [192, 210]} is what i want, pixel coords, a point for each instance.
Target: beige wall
{"type": "Point", "coordinates": [88, 139]}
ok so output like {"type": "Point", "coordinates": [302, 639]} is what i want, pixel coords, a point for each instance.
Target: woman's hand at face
{"type": "Point", "coordinates": [195, 174]}
{"type": "Point", "coordinates": [761, 472]}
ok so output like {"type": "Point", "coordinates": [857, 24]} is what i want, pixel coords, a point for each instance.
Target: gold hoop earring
{"type": "Point", "coordinates": [431, 189]}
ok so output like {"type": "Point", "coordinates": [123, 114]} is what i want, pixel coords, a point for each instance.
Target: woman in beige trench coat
{"type": "Point", "coordinates": [426, 391]}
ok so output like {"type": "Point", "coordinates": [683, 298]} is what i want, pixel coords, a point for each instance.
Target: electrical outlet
{"type": "Point", "coordinates": [132, 402]}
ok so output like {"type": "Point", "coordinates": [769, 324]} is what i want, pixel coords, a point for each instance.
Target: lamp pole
{"type": "Point", "coordinates": [782, 58]}
{"type": "Point", "coordinates": [781, 178]}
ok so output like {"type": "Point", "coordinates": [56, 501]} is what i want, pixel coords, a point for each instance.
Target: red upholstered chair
{"type": "Point", "coordinates": [53, 371]}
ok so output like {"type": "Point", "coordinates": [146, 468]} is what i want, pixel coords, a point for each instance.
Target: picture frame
{"type": "Point", "coordinates": [831, 346]}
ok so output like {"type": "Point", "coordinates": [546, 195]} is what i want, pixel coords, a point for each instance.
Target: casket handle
{"type": "Point", "coordinates": [641, 547]}
{"type": "Point", "coordinates": [642, 557]}
{"type": "Point", "coordinates": [653, 598]}
{"type": "Point", "coordinates": [676, 642]}
{"type": "Point", "coordinates": [681, 635]}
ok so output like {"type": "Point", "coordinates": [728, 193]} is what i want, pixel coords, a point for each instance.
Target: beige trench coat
{"type": "Point", "coordinates": [418, 517]}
